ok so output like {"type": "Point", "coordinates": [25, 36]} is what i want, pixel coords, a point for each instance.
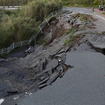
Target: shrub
{"type": "Point", "coordinates": [22, 23]}
{"type": "Point", "coordinates": [14, 29]}
{"type": "Point", "coordinates": [39, 9]}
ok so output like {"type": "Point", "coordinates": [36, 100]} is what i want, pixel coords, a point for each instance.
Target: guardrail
{"type": "Point", "coordinates": [33, 37]}
{"type": "Point", "coordinates": [9, 7]}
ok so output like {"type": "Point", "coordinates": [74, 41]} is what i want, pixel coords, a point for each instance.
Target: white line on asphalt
{"type": "Point", "coordinates": [100, 17]}
{"type": "Point", "coordinates": [1, 101]}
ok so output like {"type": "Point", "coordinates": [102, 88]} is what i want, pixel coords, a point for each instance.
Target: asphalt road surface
{"type": "Point", "coordinates": [100, 23]}
{"type": "Point", "coordinates": [82, 85]}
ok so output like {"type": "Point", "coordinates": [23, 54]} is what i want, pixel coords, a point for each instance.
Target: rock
{"type": "Point", "coordinates": [63, 57]}
{"type": "Point", "coordinates": [30, 50]}
{"type": "Point", "coordinates": [59, 69]}
{"type": "Point", "coordinates": [78, 22]}
{"type": "Point", "coordinates": [72, 21]}
{"type": "Point", "coordinates": [68, 15]}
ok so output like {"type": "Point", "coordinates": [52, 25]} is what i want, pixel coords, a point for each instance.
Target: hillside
{"type": "Point", "coordinates": [85, 3]}
{"type": "Point", "coordinates": [21, 24]}
{"type": "Point", "coordinates": [24, 22]}
{"type": "Point", "coordinates": [65, 2]}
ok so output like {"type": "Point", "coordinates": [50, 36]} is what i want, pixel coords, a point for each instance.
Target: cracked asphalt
{"type": "Point", "coordinates": [82, 85]}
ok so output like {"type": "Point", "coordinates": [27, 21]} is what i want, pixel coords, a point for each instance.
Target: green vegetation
{"type": "Point", "coordinates": [84, 17]}
{"type": "Point", "coordinates": [42, 41]}
{"type": "Point", "coordinates": [13, 2]}
{"type": "Point", "coordinates": [71, 35]}
{"type": "Point", "coordinates": [17, 25]}
{"type": "Point", "coordinates": [65, 2]}
{"type": "Point", "coordinates": [83, 3]}
{"type": "Point", "coordinates": [67, 41]}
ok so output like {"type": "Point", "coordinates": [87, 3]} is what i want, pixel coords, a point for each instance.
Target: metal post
{"type": "Point", "coordinates": [8, 50]}
{"type": "Point", "coordinates": [13, 46]}
{"type": "Point", "coordinates": [40, 29]}
{"type": "Point", "coordinates": [51, 13]}
{"type": "Point", "coordinates": [47, 22]}
{"type": "Point", "coordinates": [2, 51]}
{"type": "Point", "coordinates": [21, 43]}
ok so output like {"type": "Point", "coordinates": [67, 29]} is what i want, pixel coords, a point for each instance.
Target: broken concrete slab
{"type": "Point", "coordinates": [97, 41]}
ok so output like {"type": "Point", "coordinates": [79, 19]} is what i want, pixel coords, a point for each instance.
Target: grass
{"type": "Point", "coordinates": [83, 18]}
{"type": "Point", "coordinates": [71, 35]}
{"type": "Point", "coordinates": [41, 42]}
{"type": "Point", "coordinates": [67, 41]}
{"type": "Point", "coordinates": [81, 3]}
{"type": "Point", "coordinates": [20, 24]}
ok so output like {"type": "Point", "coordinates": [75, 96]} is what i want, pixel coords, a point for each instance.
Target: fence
{"type": "Point", "coordinates": [33, 37]}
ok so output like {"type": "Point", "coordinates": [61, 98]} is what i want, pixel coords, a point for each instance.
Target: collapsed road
{"type": "Point", "coordinates": [74, 51]}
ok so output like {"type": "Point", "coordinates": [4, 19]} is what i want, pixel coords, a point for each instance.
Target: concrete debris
{"type": "Point", "coordinates": [97, 41]}
{"type": "Point", "coordinates": [30, 50]}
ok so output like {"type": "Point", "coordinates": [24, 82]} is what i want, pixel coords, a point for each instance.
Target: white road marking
{"type": "Point", "coordinates": [1, 101]}
{"type": "Point", "coordinates": [100, 17]}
